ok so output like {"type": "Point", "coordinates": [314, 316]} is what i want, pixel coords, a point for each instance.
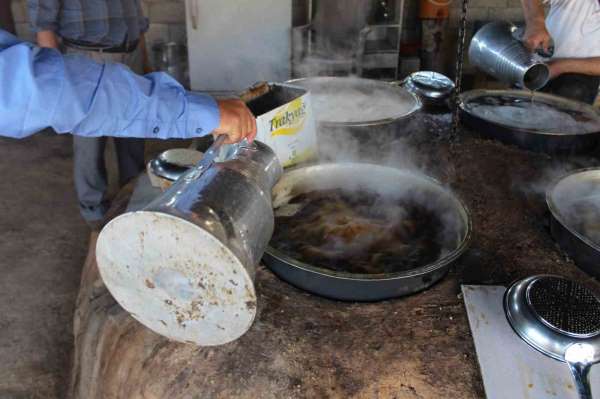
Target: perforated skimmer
{"type": "Point", "coordinates": [561, 319]}
{"type": "Point", "coordinates": [565, 306]}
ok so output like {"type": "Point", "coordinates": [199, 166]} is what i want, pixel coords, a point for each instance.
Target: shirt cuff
{"type": "Point", "coordinates": [203, 115]}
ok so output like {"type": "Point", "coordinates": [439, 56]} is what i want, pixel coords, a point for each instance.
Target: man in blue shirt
{"type": "Point", "coordinates": [40, 88]}
{"type": "Point", "coordinates": [106, 31]}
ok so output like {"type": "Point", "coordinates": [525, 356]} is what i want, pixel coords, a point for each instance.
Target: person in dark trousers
{"type": "Point", "coordinates": [105, 31]}
{"type": "Point", "coordinates": [574, 25]}
{"type": "Point", "coordinates": [6, 19]}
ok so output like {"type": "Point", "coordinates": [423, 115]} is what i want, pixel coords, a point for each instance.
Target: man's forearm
{"type": "Point", "coordinates": [47, 38]}
{"type": "Point", "coordinates": [39, 88]}
{"type": "Point", "coordinates": [533, 11]}
{"type": "Point", "coordinates": [584, 66]}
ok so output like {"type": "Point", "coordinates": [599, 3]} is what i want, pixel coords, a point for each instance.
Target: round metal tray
{"type": "Point", "coordinates": [358, 87]}
{"type": "Point", "coordinates": [365, 287]}
{"type": "Point", "coordinates": [575, 186]}
{"type": "Point", "coordinates": [551, 142]}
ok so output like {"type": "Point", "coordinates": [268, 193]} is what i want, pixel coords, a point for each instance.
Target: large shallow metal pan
{"type": "Point", "coordinates": [548, 141]}
{"type": "Point", "coordinates": [355, 103]}
{"type": "Point", "coordinates": [368, 287]}
{"type": "Point", "coordinates": [564, 199]}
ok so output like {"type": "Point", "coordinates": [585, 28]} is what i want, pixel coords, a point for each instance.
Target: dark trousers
{"type": "Point", "coordinates": [582, 88]}
{"type": "Point", "coordinates": [90, 171]}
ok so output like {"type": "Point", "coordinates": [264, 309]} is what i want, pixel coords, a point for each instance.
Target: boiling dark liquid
{"type": "Point", "coordinates": [358, 232]}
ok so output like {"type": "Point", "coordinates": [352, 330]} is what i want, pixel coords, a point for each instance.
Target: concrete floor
{"type": "Point", "coordinates": [43, 243]}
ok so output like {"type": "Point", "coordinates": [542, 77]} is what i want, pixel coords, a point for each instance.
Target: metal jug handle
{"type": "Point", "coordinates": [207, 159]}
{"type": "Point", "coordinates": [210, 154]}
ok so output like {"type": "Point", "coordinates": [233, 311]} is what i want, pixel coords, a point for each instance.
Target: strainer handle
{"type": "Point", "coordinates": [581, 376]}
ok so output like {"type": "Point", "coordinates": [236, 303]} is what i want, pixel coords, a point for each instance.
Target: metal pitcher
{"type": "Point", "coordinates": [184, 266]}
{"type": "Point", "coordinates": [496, 50]}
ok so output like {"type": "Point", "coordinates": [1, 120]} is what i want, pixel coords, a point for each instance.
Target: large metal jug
{"type": "Point", "coordinates": [184, 266]}
{"type": "Point", "coordinates": [496, 50]}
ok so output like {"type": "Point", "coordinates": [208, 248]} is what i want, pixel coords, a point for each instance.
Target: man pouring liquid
{"type": "Point", "coordinates": [574, 27]}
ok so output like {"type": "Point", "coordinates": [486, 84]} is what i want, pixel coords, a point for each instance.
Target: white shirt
{"type": "Point", "coordinates": [575, 27]}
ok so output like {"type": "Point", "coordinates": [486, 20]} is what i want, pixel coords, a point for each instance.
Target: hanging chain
{"type": "Point", "coordinates": [462, 31]}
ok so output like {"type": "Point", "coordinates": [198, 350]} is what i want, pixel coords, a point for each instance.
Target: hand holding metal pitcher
{"type": "Point", "coordinates": [497, 49]}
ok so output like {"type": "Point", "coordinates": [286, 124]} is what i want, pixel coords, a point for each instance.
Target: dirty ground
{"type": "Point", "coordinates": [43, 244]}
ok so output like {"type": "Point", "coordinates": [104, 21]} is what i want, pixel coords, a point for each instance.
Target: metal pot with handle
{"type": "Point", "coordinates": [184, 266]}
{"type": "Point", "coordinates": [497, 49]}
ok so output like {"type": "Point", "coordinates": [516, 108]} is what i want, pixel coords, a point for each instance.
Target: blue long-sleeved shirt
{"type": "Point", "coordinates": [41, 88]}
{"type": "Point", "coordinates": [105, 23]}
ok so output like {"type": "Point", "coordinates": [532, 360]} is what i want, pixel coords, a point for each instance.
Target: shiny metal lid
{"type": "Point", "coordinates": [430, 85]}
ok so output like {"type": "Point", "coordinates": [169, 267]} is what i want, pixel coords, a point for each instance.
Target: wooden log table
{"type": "Point", "coordinates": [303, 346]}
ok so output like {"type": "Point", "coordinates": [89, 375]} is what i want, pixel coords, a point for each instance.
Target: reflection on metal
{"type": "Point", "coordinates": [495, 50]}
{"type": "Point", "coordinates": [173, 163]}
{"type": "Point", "coordinates": [432, 88]}
{"type": "Point", "coordinates": [561, 319]}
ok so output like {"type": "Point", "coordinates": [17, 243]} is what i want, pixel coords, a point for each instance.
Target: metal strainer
{"type": "Point", "coordinates": [561, 319]}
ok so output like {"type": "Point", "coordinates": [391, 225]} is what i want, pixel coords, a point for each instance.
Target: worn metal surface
{"type": "Point", "coordinates": [184, 265]}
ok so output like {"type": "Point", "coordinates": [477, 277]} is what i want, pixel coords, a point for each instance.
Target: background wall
{"type": "Point", "coordinates": [167, 18]}
{"type": "Point", "coordinates": [479, 10]}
